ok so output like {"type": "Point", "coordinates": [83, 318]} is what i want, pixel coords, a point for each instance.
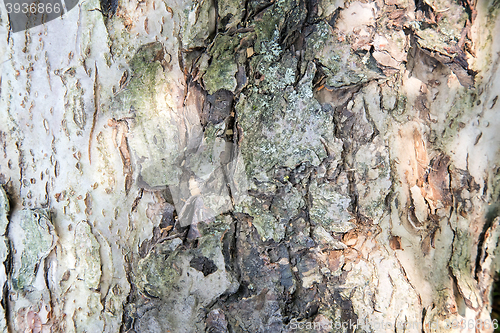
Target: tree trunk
{"type": "Point", "coordinates": [251, 166]}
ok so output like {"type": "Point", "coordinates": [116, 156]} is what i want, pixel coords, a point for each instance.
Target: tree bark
{"type": "Point", "coordinates": [251, 166]}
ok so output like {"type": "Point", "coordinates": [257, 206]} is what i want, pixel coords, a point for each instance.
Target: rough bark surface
{"type": "Point", "coordinates": [249, 166]}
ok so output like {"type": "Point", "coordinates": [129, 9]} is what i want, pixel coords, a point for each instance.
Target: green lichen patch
{"type": "Point", "coordinates": [284, 128]}
{"type": "Point", "coordinates": [283, 125]}
{"type": "Point", "coordinates": [156, 274]}
{"type": "Point", "coordinates": [155, 134]}
{"type": "Point", "coordinates": [185, 277]}
{"type": "Point", "coordinates": [461, 108]}
{"type": "Point", "coordinates": [146, 58]}
{"type": "Point", "coordinates": [216, 229]}
{"type": "Point", "coordinates": [230, 12]}
{"type": "Point", "coordinates": [198, 23]}
{"type": "Point", "coordinates": [447, 31]}
{"type": "Point", "coordinates": [330, 207]}
{"type": "Point", "coordinates": [35, 239]}
{"type": "Point", "coordinates": [220, 74]}
{"type": "Point", "coordinates": [268, 226]}
{"type": "Point", "coordinates": [461, 265]}
{"type": "Point", "coordinates": [147, 78]}
{"type": "Point", "coordinates": [275, 77]}
{"type": "Point", "coordinates": [282, 17]}
{"type": "Point", "coordinates": [276, 25]}
{"type": "Point", "coordinates": [270, 217]}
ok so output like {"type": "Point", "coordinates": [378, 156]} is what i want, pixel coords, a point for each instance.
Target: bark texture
{"type": "Point", "coordinates": [246, 166]}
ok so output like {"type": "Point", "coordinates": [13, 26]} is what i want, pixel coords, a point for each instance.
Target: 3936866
{"type": "Point", "coordinates": [33, 8]}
